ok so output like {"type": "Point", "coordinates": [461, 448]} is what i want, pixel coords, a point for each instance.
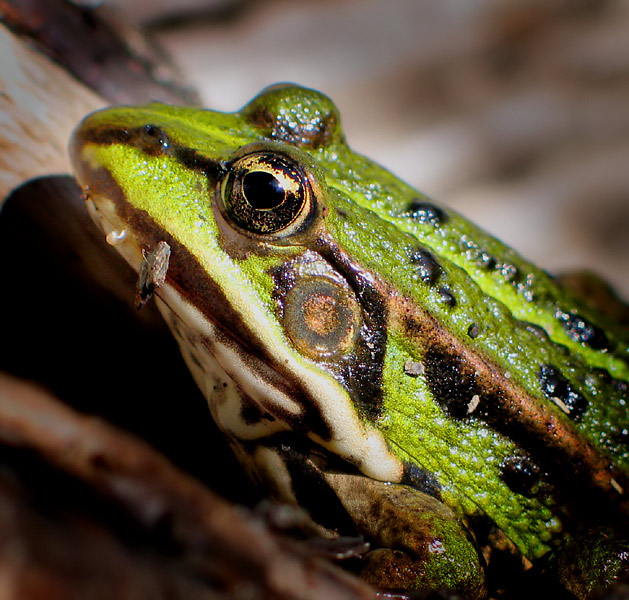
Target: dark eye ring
{"type": "Point", "coordinates": [267, 193]}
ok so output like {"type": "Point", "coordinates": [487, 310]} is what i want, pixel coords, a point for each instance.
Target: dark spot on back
{"type": "Point", "coordinates": [486, 261]}
{"type": "Point", "coordinates": [421, 480]}
{"type": "Point", "coordinates": [521, 474]}
{"type": "Point", "coordinates": [451, 383]}
{"type": "Point", "coordinates": [580, 330]}
{"type": "Point", "coordinates": [538, 331]}
{"type": "Point", "coordinates": [473, 330]}
{"type": "Point", "coordinates": [447, 297]}
{"type": "Point", "coordinates": [425, 265]}
{"type": "Point", "coordinates": [425, 212]}
{"type": "Point", "coordinates": [555, 385]}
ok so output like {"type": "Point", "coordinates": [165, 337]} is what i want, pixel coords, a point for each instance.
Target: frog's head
{"type": "Point", "coordinates": [276, 323]}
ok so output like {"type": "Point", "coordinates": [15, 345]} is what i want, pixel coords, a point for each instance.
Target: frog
{"type": "Point", "coordinates": [371, 355]}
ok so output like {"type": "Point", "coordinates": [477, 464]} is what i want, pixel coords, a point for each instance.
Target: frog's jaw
{"type": "Point", "coordinates": [226, 398]}
{"type": "Point", "coordinates": [301, 398]}
{"type": "Point", "coordinates": [251, 402]}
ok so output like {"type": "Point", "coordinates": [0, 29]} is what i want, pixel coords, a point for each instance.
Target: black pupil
{"type": "Point", "coordinates": [262, 190]}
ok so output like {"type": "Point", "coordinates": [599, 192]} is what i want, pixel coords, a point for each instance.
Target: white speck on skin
{"type": "Point", "coordinates": [414, 369]}
{"type": "Point", "coordinates": [561, 405]}
{"type": "Point", "coordinates": [616, 486]}
{"type": "Point", "coordinates": [473, 404]}
{"type": "Point", "coordinates": [114, 238]}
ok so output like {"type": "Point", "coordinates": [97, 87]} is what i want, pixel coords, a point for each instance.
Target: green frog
{"type": "Point", "coordinates": [372, 356]}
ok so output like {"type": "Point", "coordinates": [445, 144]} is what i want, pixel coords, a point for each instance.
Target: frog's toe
{"type": "Point", "coordinates": [421, 544]}
{"type": "Point", "coordinates": [391, 569]}
{"type": "Point", "coordinates": [593, 561]}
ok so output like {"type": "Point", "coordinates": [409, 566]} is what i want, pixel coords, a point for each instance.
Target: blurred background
{"type": "Point", "coordinates": [514, 113]}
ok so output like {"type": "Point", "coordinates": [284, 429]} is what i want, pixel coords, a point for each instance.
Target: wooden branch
{"type": "Point", "coordinates": [40, 104]}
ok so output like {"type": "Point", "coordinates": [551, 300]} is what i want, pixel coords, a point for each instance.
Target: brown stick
{"type": "Point", "coordinates": [40, 104]}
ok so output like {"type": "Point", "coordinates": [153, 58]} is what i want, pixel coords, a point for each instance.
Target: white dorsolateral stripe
{"type": "Point", "coordinates": [351, 438]}
{"type": "Point", "coordinates": [217, 385]}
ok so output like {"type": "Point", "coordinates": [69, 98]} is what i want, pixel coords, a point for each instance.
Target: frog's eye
{"type": "Point", "coordinates": [267, 193]}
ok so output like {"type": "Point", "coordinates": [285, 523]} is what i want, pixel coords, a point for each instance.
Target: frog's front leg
{"type": "Point", "coordinates": [419, 544]}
